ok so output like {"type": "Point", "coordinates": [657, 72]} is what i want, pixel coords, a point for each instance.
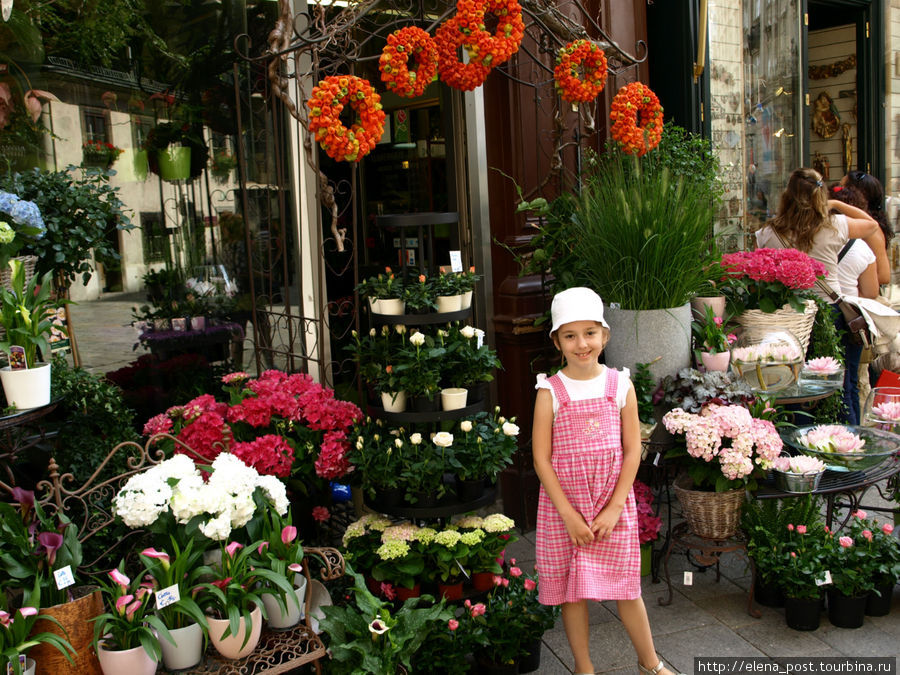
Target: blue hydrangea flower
{"type": "Point", "coordinates": [23, 213]}
{"type": "Point", "coordinates": [7, 200]}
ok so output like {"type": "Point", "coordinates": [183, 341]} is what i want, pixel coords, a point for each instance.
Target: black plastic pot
{"type": "Point", "coordinates": [846, 611]}
{"type": "Point", "coordinates": [802, 613]}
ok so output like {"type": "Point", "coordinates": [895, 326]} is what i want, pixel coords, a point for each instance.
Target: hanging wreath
{"type": "Point", "coordinates": [637, 119]}
{"type": "Point", "coordinates": [449, 37]}
{"type": "Point", "coordinates": [491, 49]}
{"type": "Point", "coordinates": [325, 106]}
{"type": "Point", "coordinates": [580, 56]}
{"type": "Point", "coordinates": [402, 44]}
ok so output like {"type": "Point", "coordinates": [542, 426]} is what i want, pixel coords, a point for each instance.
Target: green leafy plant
{"type": "Point", "coordinates": [79, 210]}
{"type": "Point", "coordinates": [370, 638]}
{"type": "Point", "coordinates": [223, 163]}
{"type": "Point", "coordinates": [765, 525]}
{"type": "Point", "coordinates": [26, 313]}
{"type": "Point", "coordinates": [467, 363]}
{"type": "Point", "coordinates": [710, 333]}
{"type": "Point", "coordinates": [417, 365]}
{"type": "Point", "coordinates": [418, 294]}
{"type": "Point", "coordinates": [385, 285]}
{"type": "Point", "coordinates": [483, 445]}
{"type": "Point", "coordinates": [644, 387]}
{"type": "Point", "coordinates": [803, 561]}
{"type": "Point", "coordinates": [180, 568]}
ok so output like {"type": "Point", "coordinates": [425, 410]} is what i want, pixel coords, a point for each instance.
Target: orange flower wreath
{"type": "Point", "coordinates": [484, 48]}
{"type": "Point", "coordinates": [450, 35]}
{"type": "Point", "coordinates": [402, 44]}
{"type": "Point", "coordinates": [637, 119]}
{"type": "Point", "coordinates": [580, 55]}
{"type": "Point", "coordinates": [325, 105]}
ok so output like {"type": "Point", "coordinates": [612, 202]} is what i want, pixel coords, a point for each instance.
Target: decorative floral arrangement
{"type": "Point", "coordinates": [577, 57]}
{"type": "Point", "coordinates": [174, 493]}
{"type": "Point", "coordinates": [802, 464]}
{"type": "Point", "coordinates": [490, 50]}
{"type": "Point", "coordinates": [20, 222]}
{"type": "Point", "coordinates": [280, 424]}
{"type": "Point", "coordinates": [710, 333]}
{"type": "Point", "coordinates": [741, 444]}
{"type": "Point", "coordinates": [325, 105]}
{"type": "Point", "coordinates": [824, 365]}
{"type": "Point", "coordinates": [832, 438]}
{"type": "Point", "coordinates": [452, 34]}
{"type": "Point", "coordinates": [637, 119]}
{"type": "Point", "coordinates": [131, 621]}
{"type": "Point", "coordinates": [101, 153]}
{"type": "Point", "coordinates": [410, 42]}
{"type": "Point", "coordinates": [648, 522]}
{"type": "Point", "coordinates": [768, 278]}
{"type": "Point", "coordinates": [691, 390]}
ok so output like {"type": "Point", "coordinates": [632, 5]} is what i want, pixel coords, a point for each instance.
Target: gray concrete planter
{"type": "Point", "coordinates": [641, 336]}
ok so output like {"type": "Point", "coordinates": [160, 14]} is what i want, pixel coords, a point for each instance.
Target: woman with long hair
{"type": "Point", "coordinates": [804, 221]}
{"type": "Point", "coordinates": [872, 190]}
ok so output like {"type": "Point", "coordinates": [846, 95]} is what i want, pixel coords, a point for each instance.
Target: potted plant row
{"type": "Point", "coordinates": [418, 293]}
{"type": "Point", "coordinates": [409, 367]}
{"type": "Point", "coordinates": [395, 464]}
{"type": "Point", "coordinates": [400, 558]}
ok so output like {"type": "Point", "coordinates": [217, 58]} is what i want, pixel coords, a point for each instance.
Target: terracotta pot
{"type": "Point", "coordinates": [187, 650]}
{"type": "Point", "coordinates": [75, 619]}
{"type": "Point", "coordinates": [233, 646]}
{"type": "Point", "coordinates": [483, 581]}
{"type": "Point", "coordinates": [717, 361]}
{"type": "Point", "coordinates": [134, 661]}
{"type": "Point", "coordinates": [699, 304]}
{"type": "Point", "coordinates": [451, 591]}
{"type": "Point", "coordinates": [404, 594]}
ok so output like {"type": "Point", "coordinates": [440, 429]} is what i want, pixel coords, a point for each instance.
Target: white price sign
{"type": "Point", "coordinates": [167, 596]}
{"type": "Point", "coordinates": [456, 261]}
{"type": "Point", "coordinates": [64, 577]}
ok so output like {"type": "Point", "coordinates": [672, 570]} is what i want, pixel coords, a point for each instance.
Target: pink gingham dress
{"type": "Point", "coordinates": [587, 458]}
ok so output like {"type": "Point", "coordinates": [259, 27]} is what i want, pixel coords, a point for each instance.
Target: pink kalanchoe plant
{"type": "Point", "coordinates": [824, 365]}
{"type": "Point", "coordinates": [832, 438]}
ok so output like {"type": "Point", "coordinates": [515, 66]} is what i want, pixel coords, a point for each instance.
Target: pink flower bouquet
{"type": "Point", "coordinates": [768, 278]}
{"type": "Point", "coordinates": [727, 448]}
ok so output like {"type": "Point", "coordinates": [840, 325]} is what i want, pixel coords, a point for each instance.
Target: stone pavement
{"type": "Point", "coordinates": [707, 618]}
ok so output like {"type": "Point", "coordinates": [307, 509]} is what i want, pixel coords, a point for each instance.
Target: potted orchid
{"type": "Point", "coordinates": [126, 636]}
{"type": "Point", "coordinates": [173, 577]}
{"type": "Point", "coordinates": [232, 599]}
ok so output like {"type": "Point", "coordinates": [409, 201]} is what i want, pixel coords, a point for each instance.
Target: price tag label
{"type": "Point", "coordinates": [688, 578]}
{"type": "Point", "coordinates": [456, 261]}
{"type": "Point", "coordinates": [825, 579]}
{"type": "Point", "coordinates": [167, 596]}
{"type": "Point", "coordinates": [64, 577]}
{"type": "Point", "coordinates": [479, 337]}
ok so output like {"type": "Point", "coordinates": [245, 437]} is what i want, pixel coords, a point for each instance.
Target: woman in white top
{"type": "Point", "coordinates": [804, 221]}
{"type": "Point", "coordinates": [857, 263]}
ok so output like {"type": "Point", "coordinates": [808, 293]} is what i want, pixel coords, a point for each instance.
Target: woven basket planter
{"type": "Point", "coordinates": [758, 323]}
{"type": "Point", "coordinates": [713, 515]}
{"type": "Point", "coordinates": [28, 262]}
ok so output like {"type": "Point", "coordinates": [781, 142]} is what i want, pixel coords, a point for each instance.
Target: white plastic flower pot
{"type": "Point", "coordinates": [280, 619]}
{"type": "Point", "coordinates": [454, 398]}
{"type": "Point", "coordinates": [392, 306]}
{"type": "Point", "coordinates": [28, 388]}
{"type": "Point", "coordinates": [393, 401]}
{"type": "Point", "coordinates": [449, 303]}
{"type": "Point", "coordinates": [466, 301]}
{"type": "Point", "coordinates": [187, 650]}
{"type": "Point", "coordinates": [231, 647]}
{"type": "Point", "coordinates": [133, 661]}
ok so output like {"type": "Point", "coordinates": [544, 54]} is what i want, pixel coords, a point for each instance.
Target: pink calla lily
{"type": "Point", "coordinates": [34, 101]}
{"type": "Point", "coordinates": [263, 545]}
{"type": "Point", "coordinates": [162, 556]}
{"type": "Point", "coordinates": [119, 578]}
{"type": "Point", "coordinates": [288, 534]}
{"type": "Point", "coordinates": [132, 608]}
{"type": "Point", "coordinates": [5, 619]}
{"type": "Point", "coordinates": [233, 548]}
{"type": "Point", "coordinates": [28, 611]}
{"type": "Point", "coordinates": [25, 499]}
{"type": "Point", "coordinates": [122, 603]}
{"type": "Point", "coordinates": [295, 567]}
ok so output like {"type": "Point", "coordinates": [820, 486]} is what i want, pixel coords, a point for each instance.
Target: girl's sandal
{"type": "Point", "coordinates": [655, 670]}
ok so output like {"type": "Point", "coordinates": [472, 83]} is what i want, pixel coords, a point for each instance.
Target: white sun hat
{"type": "Point", "coordinates": [576, 304]}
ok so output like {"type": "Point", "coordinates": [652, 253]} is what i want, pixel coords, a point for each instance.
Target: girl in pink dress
{"type": "Point", "coordinates": [587, 447]}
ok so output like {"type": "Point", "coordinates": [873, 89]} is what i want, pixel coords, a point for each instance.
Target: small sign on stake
{"type": "Point", "coordinates": [167, 596]}
{"type": "Point", "coordinates": [456, 261]}
{"type": "Point", "coordinates": [64, 577]}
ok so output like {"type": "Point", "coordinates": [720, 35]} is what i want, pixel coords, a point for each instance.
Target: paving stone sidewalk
{"type": "Point", "coordinates": [707, 618]}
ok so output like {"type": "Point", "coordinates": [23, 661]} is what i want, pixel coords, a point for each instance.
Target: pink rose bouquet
{"type": "Point", "coordinates": [726, 447]}
{"type": "Point", "coordinates": [768, 278]}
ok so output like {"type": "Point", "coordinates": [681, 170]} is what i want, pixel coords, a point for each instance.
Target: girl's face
{"type": "Point", "coordinates": [581, 342]}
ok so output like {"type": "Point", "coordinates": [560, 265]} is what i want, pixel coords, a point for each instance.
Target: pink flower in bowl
{"type": "Point", "coordinates": [824, 365]}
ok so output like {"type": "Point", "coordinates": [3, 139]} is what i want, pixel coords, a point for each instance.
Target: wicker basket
{"type": "Point", "coordinates": [756, 322]}
{"type": "Point", "coordinates": [28, 261]}
{"type": "Point", "coordinates": [713, 515]}
{"type": "Point", "coordinates": [75, 618]}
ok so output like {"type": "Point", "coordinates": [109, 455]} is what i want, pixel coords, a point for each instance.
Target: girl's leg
{"type": "Point", "coordinates": [634, 618]}
{"type": "Point", "coordinates": [575, 621]}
